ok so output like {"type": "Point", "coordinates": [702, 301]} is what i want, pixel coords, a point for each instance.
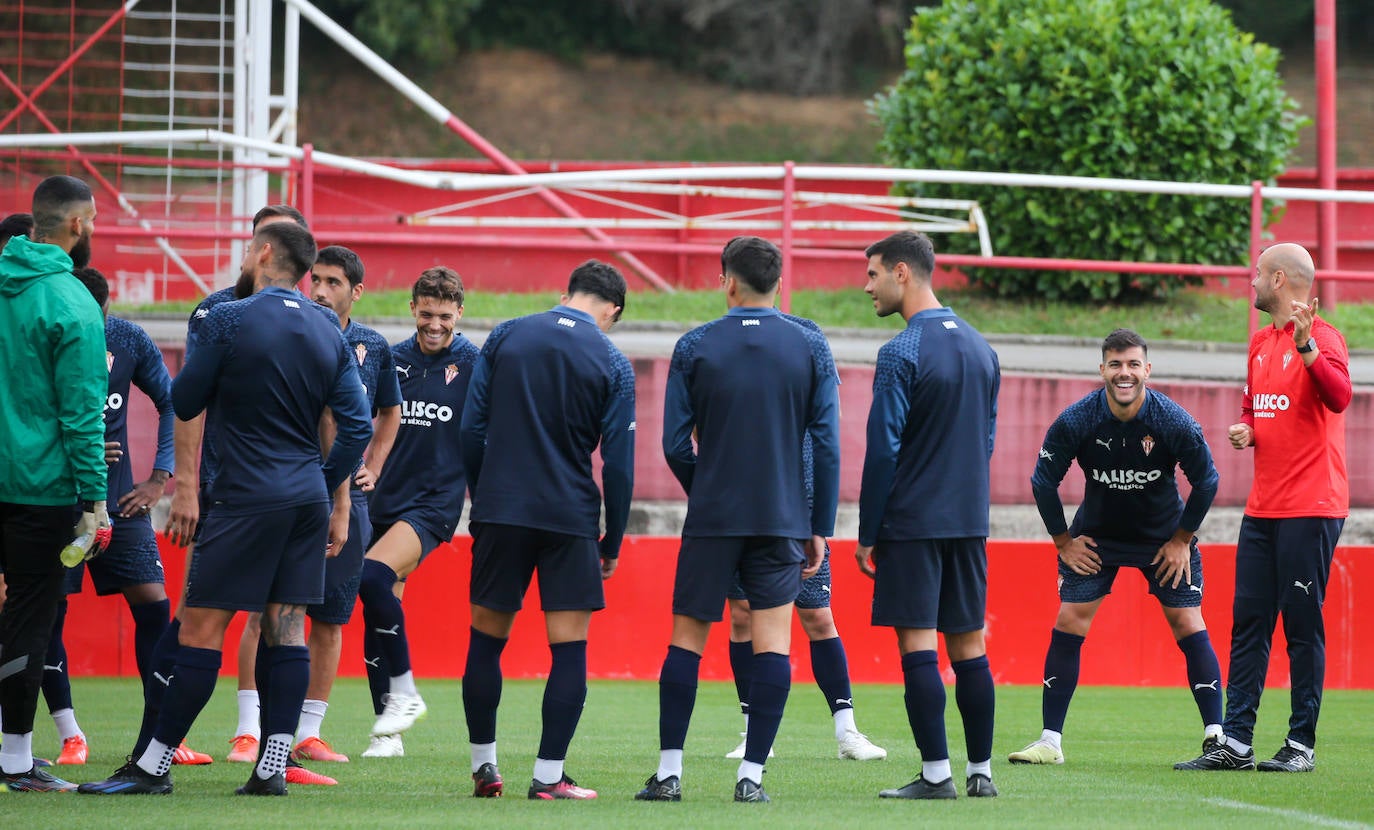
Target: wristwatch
{"type": "Point", "coordinates": [1309, 346]}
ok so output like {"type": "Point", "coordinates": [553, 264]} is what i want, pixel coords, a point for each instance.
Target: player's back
{"type": "Point", "coordinates": [281, 361]}
{"type": "Point", "coordinates": [950, 377]}
{"type": "Point", "coordinates": [751, 378]}
{"type": "Point", "coordinates": [133, 360]}
{"type": "Point", "coordinates": [553, 380]}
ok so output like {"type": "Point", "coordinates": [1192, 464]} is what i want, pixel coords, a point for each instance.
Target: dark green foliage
{"type": "Point", "coordinates": [415, 32]}
{"type": "Point", "coordinates": [1137, 89]}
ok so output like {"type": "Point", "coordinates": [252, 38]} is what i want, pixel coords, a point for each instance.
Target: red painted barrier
{"type": "Point", "coordinates": [1028, 405]}
{"type": "Point", "coordinates": [1130, 644]}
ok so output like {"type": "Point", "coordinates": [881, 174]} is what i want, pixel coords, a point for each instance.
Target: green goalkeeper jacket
{"type": "Point", "coordinates": [53, 380]}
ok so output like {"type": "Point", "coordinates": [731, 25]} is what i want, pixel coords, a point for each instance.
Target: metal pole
{"type": "Point", "coordinates": [1256, 246]}
{"type": "Point", "coordinates": [443, 115]}
{"type": "Point", "coordinates": [789, 189]}
{"type": "Point", "coordinates": [1325, 31]}
{"type": "Point", "coordinates": [291, 73]}
{"type": "Point", "coordinates": [306, 193]}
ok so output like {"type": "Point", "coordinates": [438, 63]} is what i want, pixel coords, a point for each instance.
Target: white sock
{"type": "Point", "coordinates": [935, 772]}
{"type": "Point", "coordinates": [483, 754]}
{"type": "Point", "coordinates": [248, 714]}
{"type": "Point", "coordinates": [752, 771]}
{"type": "Point", "coordinates": [1212, 730]}
{"type": "Point", "coordinates": [404, 684]}
{"type": "Point", "coordinates": [16, 753]}
{"type": "Point", "coordinates": [65, 721]}
{"type": "Point", "coordinates": [1305, 750]}
{"type": "Point", "coordinates": [548, 772]}
{"type": "Point", "coordinates": [1054, 739]}
{"type": "Point", "coordinates": [844, 722]}
{"type": "Point", "coordinates": [157, 758]}
{"type": "Point", "coordinates": [978, 768]}
{"type": "Point", "coordinates": [1235, 744]}
{"type": "Point", "coordinates": [312, 717]}
{"type": "Point", "coordinates": [272, 760]}
{"type": "Point", "coordinates": [669, 764]}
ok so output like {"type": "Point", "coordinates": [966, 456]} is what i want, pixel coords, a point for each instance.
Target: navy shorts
{"type": "Point", "coordinates": [931, 583]}
{"type": "Point", "coordinates": [815, 589]}
{"type": "Point", "coordinates": [768, 568]}
{"type": "Point", "coordinates": [131, 559]}
{"type": "Point", "coordinates": [505, 558]}
{"type": "Point", "coordinates": [429, 540]}
{"type": "Point", "coordinates": [344, 573]}
{"type": "Point", "coordinates": [1078, 588]}
{"type": "Point", "coordinates": [243, 562]}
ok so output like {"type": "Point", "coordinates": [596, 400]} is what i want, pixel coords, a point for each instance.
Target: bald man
{"type": "Point", "coordinates": [1297, 387]}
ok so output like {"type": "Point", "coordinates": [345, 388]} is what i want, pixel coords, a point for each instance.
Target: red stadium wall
{"type": "Point", "coordinates": [1027, 405]}
{"type": "Point", "coordinates": [1130, 644]}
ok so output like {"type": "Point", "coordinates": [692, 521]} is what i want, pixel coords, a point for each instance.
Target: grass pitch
{"type": "Point", "coordinates": [1120, 747]}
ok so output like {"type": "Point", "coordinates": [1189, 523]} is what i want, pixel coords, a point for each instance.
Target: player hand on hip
{"type": "Point", "coordinates": [1173, 561]}
{"type": "Point", "coordinates": [113, 452]}
{"type": "Point", "coordinates": [1079, 554]}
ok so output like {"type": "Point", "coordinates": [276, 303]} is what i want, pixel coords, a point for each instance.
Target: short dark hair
{"type": "Point", "coordinates": [601, 280]}
{"type": "Point", "coordinates": [292, 245]}
{"type": "Point", "coordinates": [1123, 339]}
{"type": "Point", "coordinates": [16, 224]}
{"type": "Point", "coordinates": [280, 210]}
{"type": "Point", "coordinates": [53, 201]}
{"type": "Point", "coordinates": [95, 282]}
{"type": "Point", "coordinates": [440, 282]}
{"type": "Point", "coordinates": [344, 258]}
{"type": "Point", "coordinates": [911, 247]}
{"type": "Point", "coordinates": [756, 261]}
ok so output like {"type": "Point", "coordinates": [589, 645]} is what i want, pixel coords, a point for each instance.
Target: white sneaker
{"type": "Point", "coordinates": [1038, 752]}
{"type": "Point", "coordinates": [399, 714]}
{"type": "Point", "coordinates": [856, 746]}
{"type": "Point", "coordinates": [384, 746]}
{"type": "Point", "coordinates": [737, 753]}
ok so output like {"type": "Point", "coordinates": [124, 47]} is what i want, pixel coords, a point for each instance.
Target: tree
{"type": "Point", "coordinates": [1139, 89]}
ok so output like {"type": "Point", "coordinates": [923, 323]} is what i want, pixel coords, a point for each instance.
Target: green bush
{"type": "Point", "coordinates": [1137, 89]}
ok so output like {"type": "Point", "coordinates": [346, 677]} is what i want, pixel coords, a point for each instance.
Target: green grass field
{"type": "Point", "coordinates": [1120, 747]}
{"type": "Point", "coordinates": [1191, 316]}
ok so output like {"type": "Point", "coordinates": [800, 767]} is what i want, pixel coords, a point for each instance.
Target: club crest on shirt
{"type": "Point", "coordinates": [1147, 444]}
{"type": "Point", "coordinates": [450, 372]}
{"type": "Point", "coordinates": [1287, 358]}
{"type": "Point", "coordinates": [361, 351]}
{"type": "Point", "coordinates": [109, 361]}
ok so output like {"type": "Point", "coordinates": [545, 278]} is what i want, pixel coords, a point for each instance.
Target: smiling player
{"type": "Point", "coordinates": [1128, 441]}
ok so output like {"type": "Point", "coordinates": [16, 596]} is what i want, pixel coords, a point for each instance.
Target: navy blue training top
{"type": "Point", "coordinates": [753, 384]}
{"type": "Point", "coordinates": [265, 368]}
{"type": "Point", "coordinates": [424, 477]}
{"type": "Point", "coordinates": [209, 459]}
{"type": "Point", "coordinates": [1131, 504]}
{"type": "Point", "coordinates": [808, 452]}
{"type": "Point", "coordinates": [376, 366]}
{"type": "Point", "coordinates": [548, 389]}
{"type": "Point", "coordinates": [134, 360]}
{"type": "Point", "coordinates": [930, 433]}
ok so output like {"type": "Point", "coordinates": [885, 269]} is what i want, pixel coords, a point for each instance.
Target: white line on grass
{"type": "Point", "coordinates": [1295, 815]}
